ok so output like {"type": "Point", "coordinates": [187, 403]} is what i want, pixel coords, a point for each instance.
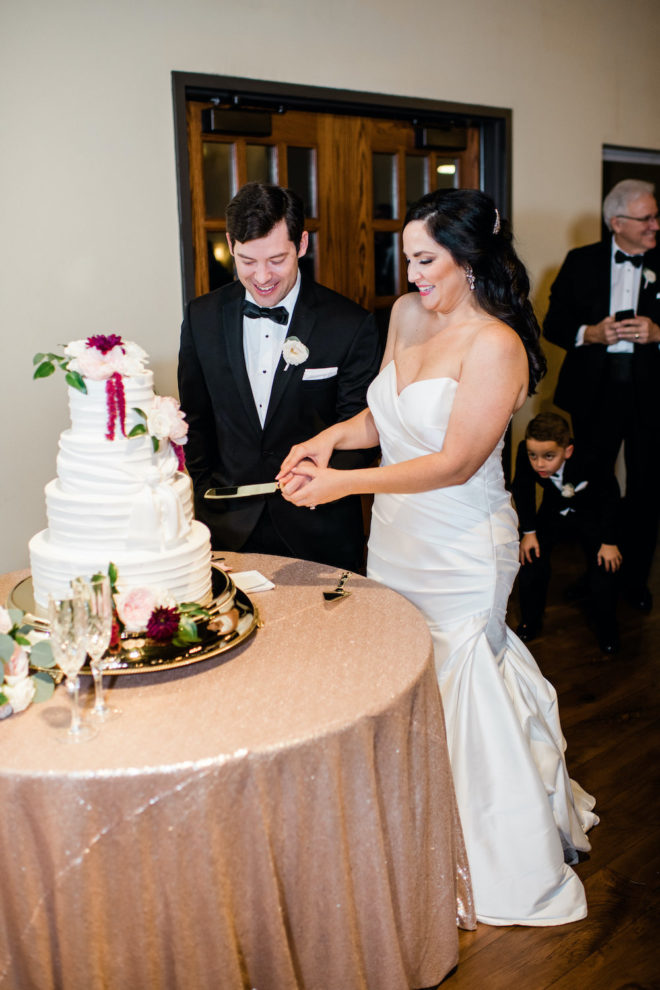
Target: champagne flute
{"type": "Point", "coordinates": [97, 596]}
{"type": "Point", "coordinates": [68, 639]}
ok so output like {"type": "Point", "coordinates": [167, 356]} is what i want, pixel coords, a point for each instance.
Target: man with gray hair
{"type": "Point", "coordinates": [605, 312]}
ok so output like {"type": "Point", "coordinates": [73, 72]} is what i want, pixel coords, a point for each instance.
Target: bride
{"type": "Point", "coordinates": [461, 357]}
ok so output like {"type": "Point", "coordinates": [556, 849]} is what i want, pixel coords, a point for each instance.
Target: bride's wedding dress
{"type": "Point", "coordinates": [454, 553]}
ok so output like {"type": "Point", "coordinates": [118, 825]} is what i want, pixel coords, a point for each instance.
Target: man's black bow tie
{"type": "Point", "coordinates": [278, 314]}
{"type": "Point", "coordinates": [634, 259]}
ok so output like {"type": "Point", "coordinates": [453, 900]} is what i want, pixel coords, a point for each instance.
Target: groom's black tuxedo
{"type": "Point", "coordinates": [226, 442]}
{"type": "Point", "coordinates": [613, 399]}
{"type": "Point", "coordinates": [580, 296]}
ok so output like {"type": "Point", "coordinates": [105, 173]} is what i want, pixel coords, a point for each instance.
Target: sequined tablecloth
{"type": "Point", "coordinates": [280, 816]}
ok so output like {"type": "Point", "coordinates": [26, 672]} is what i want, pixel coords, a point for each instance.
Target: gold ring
{"type": "Point", "coordinates": [636, 336]}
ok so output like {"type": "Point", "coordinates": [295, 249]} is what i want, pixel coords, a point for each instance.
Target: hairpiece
{"type": "Point", "coordinates": [497, 224]}
{"type": "Point", "coordinates": [469, 274]}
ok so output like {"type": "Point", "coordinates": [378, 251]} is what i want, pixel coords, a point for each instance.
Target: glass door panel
{"type": "Point", "coordinates": [219, 169]}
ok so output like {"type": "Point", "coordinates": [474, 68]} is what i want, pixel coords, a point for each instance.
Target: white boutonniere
{"type": "Point", "coordinates": [649, 277]}
{"type": "Point", "coordinates": [294, 352]}
{"type": "Point", "coordinates": [567, 491]}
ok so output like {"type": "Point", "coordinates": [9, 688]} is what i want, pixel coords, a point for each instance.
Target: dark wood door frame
{"type": "Point", "coordinates": [495, 124]}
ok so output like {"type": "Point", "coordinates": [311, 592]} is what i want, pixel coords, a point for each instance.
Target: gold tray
{"type": "Point", "coordinates": [137, 655]}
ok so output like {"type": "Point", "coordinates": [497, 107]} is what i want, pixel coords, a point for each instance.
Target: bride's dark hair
{"type": "Point", "coordinates": [467, 224]}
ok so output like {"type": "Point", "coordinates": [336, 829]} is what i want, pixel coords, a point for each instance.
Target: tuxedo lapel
{"type": "Point", "coordinates": [231, 316]}
{"type": "Point", "coordinates": [648, 290]}
{"type": "Point", "coordinates": [303, 321]}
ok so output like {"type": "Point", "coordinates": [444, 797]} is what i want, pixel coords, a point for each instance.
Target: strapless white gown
{"type": "Point", "coordinates": [453, 552]}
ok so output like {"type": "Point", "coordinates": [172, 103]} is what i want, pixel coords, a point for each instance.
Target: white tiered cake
{"type": "Point", "coordinates": [115, 498]}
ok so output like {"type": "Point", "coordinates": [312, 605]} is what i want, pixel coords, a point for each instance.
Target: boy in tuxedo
{"type": "Point", "coordinates": [580, 500]}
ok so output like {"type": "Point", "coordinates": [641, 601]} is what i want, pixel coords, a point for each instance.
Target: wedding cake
{"type": "Point", "coordinates": [121, 494]}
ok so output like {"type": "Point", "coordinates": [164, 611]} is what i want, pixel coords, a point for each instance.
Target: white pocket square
{"type": "Point", "coordinates": [316, 374]}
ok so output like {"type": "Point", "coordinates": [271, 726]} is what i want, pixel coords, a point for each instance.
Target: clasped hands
{"type": "Point", "coordinates": [636, 329]}
{"type": "Point", "coordinates": [305, 478]}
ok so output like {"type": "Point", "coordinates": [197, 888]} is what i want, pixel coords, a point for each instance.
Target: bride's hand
{"type": "Point", "coordinates": [291, 483]}
{"type": "Point", "coordinates": [319, 485]}
{"type": "Point", "coordinates": [318, 450]}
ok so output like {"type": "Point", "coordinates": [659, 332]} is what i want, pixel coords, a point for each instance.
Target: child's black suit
{"type": "Point", "coordinates": [587, 509]}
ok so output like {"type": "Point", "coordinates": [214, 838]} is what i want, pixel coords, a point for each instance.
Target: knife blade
{"type": "Point", "coordinates": [241, 491]}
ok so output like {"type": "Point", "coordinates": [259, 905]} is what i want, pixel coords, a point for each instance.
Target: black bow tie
{"type": "Point", "coordinates": [634, 259]}
{"type": "Point", "coordinates": [278, 314]}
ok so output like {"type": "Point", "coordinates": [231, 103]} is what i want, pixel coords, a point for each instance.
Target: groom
{"type": "Point", "coordinates": [250, 391]}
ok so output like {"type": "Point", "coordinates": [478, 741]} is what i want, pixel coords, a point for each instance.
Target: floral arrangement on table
{"type": "Point", "coordinates": [109, 358]}
{"type": "Point", "coordinates": [18, 648]}
{"type": "Point", "coordinates": [153, 613]}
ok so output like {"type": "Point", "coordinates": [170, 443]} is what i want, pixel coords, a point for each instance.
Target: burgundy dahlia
{"type": "Point", "coordinates": [104, 342]}
{"type": "Point", "coordinates": [163, 624]}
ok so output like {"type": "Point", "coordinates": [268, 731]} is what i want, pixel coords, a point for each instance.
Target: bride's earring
{"type": "Point", "coordinates": [469, 274]}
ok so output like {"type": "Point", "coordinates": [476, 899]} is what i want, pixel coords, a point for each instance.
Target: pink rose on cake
{"type": "Point", "coordinates": [166, 421]}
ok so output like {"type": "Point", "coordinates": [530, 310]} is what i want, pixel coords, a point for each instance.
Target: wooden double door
{"type": "Point", "coordinates": [356, 176]}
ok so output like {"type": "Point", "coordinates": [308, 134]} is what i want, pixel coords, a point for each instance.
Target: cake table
{"type": "Point", "coordinates": [278, 816]}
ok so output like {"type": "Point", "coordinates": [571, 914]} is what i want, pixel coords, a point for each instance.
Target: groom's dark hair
{"type": "Point", "coordinates": [549, 426]}
{"type": "Point", "coordinates": [257, 208]}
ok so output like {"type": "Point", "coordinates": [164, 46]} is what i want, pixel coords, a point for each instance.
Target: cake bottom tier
{"type": "Point", "coordinates": [184, 570]}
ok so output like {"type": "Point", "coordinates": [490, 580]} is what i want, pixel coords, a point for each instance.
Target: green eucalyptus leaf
{"type": "Point", "coordinates": [38, 358]}
{"type": "Point", "coordinates": [21, 640]}
{"type": "Point", "coordinates": [16, 615]}
{"type": "Point", "coordinates": [41, 654]}
{"type": "Point", "coordinates": [7, 646]}
{"type": "Point", "coordinates": [155, 443]}
{"type": "Point", "coordinates": [140, 412]}
{"type": "Point", "coordinates": [44, 686]}
{"type": "Point", "coordinates": [76, 380]}
{"type": "Point", "coordinates": [45, 369]}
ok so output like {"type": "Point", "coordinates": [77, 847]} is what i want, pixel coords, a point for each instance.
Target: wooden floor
{"type": "Point", "coordinates": [611, 719]}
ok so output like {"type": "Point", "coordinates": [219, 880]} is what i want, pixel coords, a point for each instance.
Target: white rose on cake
{"type": "Point", "coordinates": [166, 421]}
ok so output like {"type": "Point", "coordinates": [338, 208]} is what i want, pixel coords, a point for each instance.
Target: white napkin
{"type": "Point", "coordinates": [251, 581]}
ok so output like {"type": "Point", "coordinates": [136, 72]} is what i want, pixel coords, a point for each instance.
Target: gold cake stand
{"type": "Point", "coordinates": [137, 654]}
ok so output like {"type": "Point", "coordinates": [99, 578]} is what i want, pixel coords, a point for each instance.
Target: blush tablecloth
{"type": "Point", "coordinates": [280, 816]}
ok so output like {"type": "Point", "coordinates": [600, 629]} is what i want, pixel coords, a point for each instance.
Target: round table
{"type": "Point", "coordinates": [278, 816]}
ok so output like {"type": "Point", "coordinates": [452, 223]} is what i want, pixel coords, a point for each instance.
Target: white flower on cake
{"type": "Point", "coordinates": [166, 421]}
{"type": "Point", "coordinates": [649, 277]}
{"type": "Point", "coordinates": [102, 356]}
{"type": "Point", "coordinates": [294, 352]}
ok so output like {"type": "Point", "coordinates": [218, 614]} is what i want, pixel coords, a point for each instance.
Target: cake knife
{"type": "Point", "coordinates": [240, 491]}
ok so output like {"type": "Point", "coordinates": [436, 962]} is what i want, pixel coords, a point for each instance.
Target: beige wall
{"type": "Point", "coordinates": [87, 175]}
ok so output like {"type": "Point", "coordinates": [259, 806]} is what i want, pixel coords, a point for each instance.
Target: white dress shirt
{"type": "Point", "coordinates": [262, 346]}
{"type": "Point", "coordinates": [625, 281]}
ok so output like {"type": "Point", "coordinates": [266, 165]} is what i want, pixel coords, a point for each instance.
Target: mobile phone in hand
{"type": "Point", "coordinates": [624, 314]}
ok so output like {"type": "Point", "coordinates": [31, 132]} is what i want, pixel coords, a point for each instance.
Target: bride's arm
{"type": "Point", "coordinates": [493, 384]}
{"type": "Point", "coordinates": [357, 433]}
